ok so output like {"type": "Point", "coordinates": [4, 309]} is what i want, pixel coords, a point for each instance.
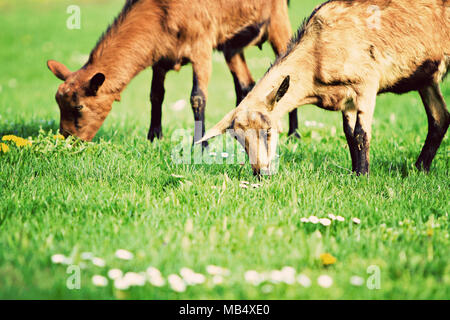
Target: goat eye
{"type": "Point", "coordinates": [78, 107]}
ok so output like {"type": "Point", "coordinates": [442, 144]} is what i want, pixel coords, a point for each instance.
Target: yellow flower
{"type": "Point", "coordinates": [20, 142]}
{"type": "Point", "coordinates": [327, 259]}
{"type": "Point", "coordinates": [9, 137]}
{"type": "Point", "coordinates": [4, 147]}
{"type": "Point", "coordinates": [58, 136]}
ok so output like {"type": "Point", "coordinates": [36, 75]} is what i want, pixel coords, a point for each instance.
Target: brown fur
{"type": "Point", "coordinates": [167, 34]}
{"type": "Point", "coordinates": [339, 62]}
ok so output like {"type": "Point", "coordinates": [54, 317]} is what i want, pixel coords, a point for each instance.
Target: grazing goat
{"type": "Point", "coordinates": [167, 34]}
{"type": "Point", "coordinates": [340, 61]}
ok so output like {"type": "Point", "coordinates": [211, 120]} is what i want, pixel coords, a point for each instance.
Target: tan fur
{"type": "Point", "coordinates": [341, 62]}
{"type": "Point", "coordinates": [166, 33]}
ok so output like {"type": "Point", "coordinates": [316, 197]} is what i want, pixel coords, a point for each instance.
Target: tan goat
{"type": "Point", "coordinates": [341, 59]}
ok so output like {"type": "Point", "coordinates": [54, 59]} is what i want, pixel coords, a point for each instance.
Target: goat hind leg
{"type": "Point", "coordinates": [438, 122]}
{"type": "Point", "coordinates": [243, 80]}
{"type": "Point", "coordinates": [156, 99]}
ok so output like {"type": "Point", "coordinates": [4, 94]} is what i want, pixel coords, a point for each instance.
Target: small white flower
{"type": "Point", "coordinates": [356, 281]}
{"type": "Point", "coordinates": [59, 258]}
{"type": "Point", "coordinates": [213, 270]}
{"type": "Point", "coordinates": [276, 276]}
{"type": "Point", "coordinates": [155, 277]}
{"type": "Point", "coordinates": [332, 216]}
{"type": "Point", "coordinates": [314, 219]}
{"type": "Point", "coordinates": [121, 284]}
{"type": "Point", "coordinates": [186, 272]}
{"type": "Point", "coordinates": [115, 274]}
{"type": "Point", "coordinates": [216, 270]}
{"type": "Point", "coordinates": [87, 256]}
{"type": "Point", "coordinates": [99, 262]}
{"type": "Point", "coordinates": [191, 277]}
{"type": "Point", "coordinates": [256, 185]}
{"type": "Point", "coordinates": [340, 218]}
{"type": "Point", "coordinates": [356, 221]}
{"type": "Point", "coordinates": [153, 272]}
{"type": "Point", "coordinates": [325, 222]}
{"type": "Point", "coordinates": [304, 220]}
{"type": "Point", "coordinates": [212, 154]}
{"type": "Point", "coordinates": [124, 254]}
{"type": "Point", "coordinates": [325, 281]}
{"type": "Point", "coordinates": [225, 155]}
{"type": "Point", "coordinates": [288, 275]}
{"type": "Point", "coordinates": [243, 186]}
{"type": "Point", "coordinates": [176, 283]}
{"type": "Point", "coordinates": [252, 277]}
{"type": "Point", "coordinates": [304, 280]}
{"type": "Point", "coordinates": [134, 279]}
{"type": "Point", "coordinates": [99, 281]}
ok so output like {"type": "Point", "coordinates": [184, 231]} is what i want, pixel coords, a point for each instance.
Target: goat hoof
{"type": "Point", "coordinates": [154, 133]}
{"type": "Point", "coordinates": [294, 135]}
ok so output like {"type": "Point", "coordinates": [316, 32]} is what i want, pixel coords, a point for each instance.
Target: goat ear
{"type": "Point", "coordinates": [220, 127]}
{"type": "Point", "coordinates": [276, 95]}
{"type": "Point", "coordinates": [58, 69]}
{"type": "Point", "coordinates": [96, 82]}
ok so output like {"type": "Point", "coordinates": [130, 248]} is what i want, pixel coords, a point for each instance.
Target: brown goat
{"type": "Point", "coordinates": [340, 61]}
{"type": "Point", "coordinates": [167, 34]}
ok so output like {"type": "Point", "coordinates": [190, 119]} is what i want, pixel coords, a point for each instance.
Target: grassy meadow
{"type": "Point", "coordinates": [122, 192]}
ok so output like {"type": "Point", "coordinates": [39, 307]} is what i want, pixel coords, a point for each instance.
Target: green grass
{"type": "Point", "coordinates": [119, 192]}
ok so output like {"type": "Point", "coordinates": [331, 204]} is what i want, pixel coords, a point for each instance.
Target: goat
{"type": "Point", "coordinates": [167, 34]}
{"type": "Point", "coordinates": [341, 61]}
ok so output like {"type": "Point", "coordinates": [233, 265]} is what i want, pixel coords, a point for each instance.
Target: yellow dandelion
{"type": "Point", "coordinates": [21, 142]}
{"type": "Point", "coordinates": [58, 137]}
{"type": "Point", "coordinates": [327, 259]}
{"type": "Point", "coordinates": [4, 147]}
{"type": "Point", "coordinates": [9, 137]}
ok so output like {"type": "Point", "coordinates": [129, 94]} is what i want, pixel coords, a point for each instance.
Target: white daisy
{"type": "Point", "coordinates": [325, 222]}
{"type": "Point", "coordinates": [288, 275]}
{"type": "Point", "coordinates": [121, 284]}
{"type": "Point", "coordinates": [253, 277]}
{"type": "Point", "coordinates": [314, 219]}
{"type": "Point", "coordinates": [99, 281]}
{"type": "Point", "coordinates": [115, 274]}
{"type": "Point", "coordinates": [134, 279]}
{"type": "Point", "coordinates": [59, 258]}
{"type": "Point", "coordinates": [325, 281]}
{"type": "Point", "coordinates": [357, 281]}
{"type": "Point", "coordinates": [304, 280]}
{"type": "Point", "coordinates": [176, 283]}
{"type": "Point", "coordinates": [356, 221]}
{"type": "Point", "coordinates": [124, 254]}
{"type": "Point", "coordinates": [99, 262]}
